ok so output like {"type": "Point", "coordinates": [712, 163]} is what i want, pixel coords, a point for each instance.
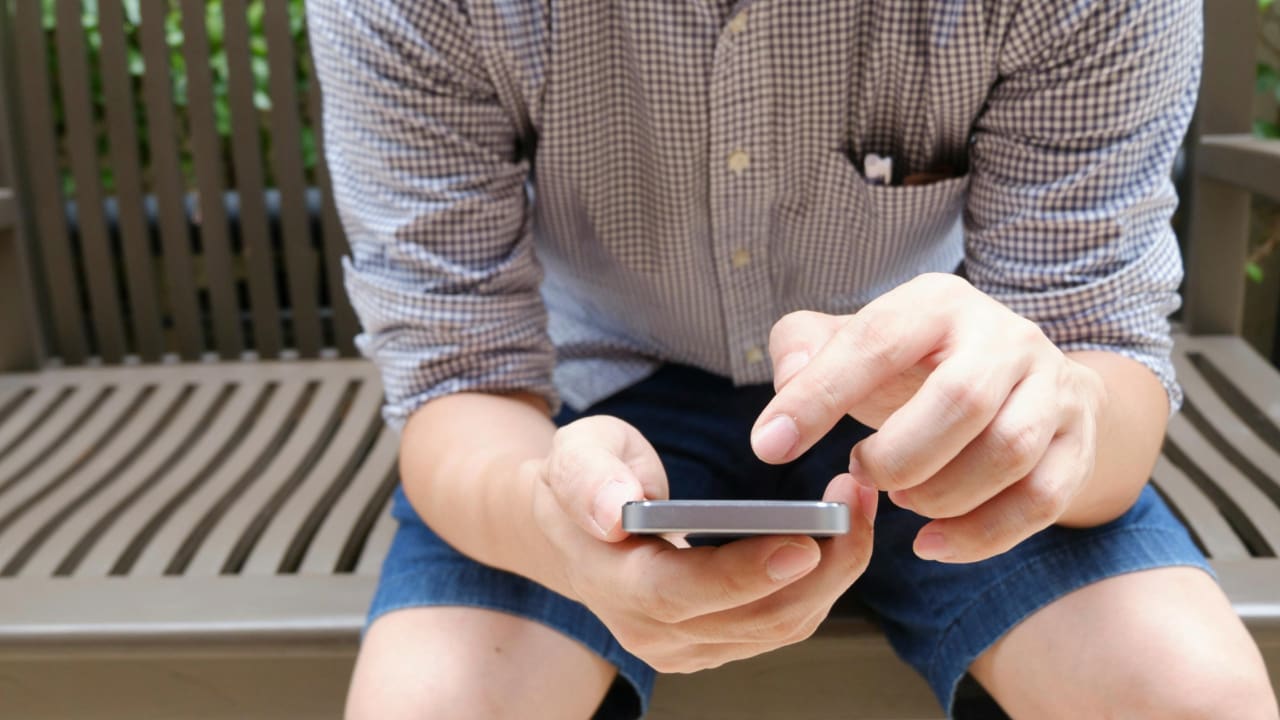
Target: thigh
{"type": "Point", "coordinates": [1158, 643]}
{"type": "Point", "coordinates": [941, 617]}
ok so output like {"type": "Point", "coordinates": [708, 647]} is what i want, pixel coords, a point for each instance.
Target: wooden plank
{"type": "Point", "coordinates": [292, 526]}
{"type": "Point", "coordinates": [46, 443]}
{"type": "Point", "coordinates": [82, 149]}
{"type": "Point", "coordinates": [206, 147]}
{"type": "Point", "coordinates": [44, 188]}
{"type": "Point", "coordinates": [1219, 540]}
{"type": "Point", "coordinates": [1242, 160]}
{"type": "Point", "coordinates": [167, 181]}
{"type": "Point", "coordinates": [122, 134]}
{"type": "Point", "coordinates": [113, 458]}
{"type": "Point", "coordinates": [1245, 368]}
{"type": "Point", "coordinates": [181, 522]}
{"type": "Point", "coordinates": [217, 437]}
{"type": "Point", "coordinates": [84, 525]}
{"type": "Point", "coordinates": [300, 258]}
{"type": "Point", "coordinates": [246, 153]}
{"type": "Point", "coordinates": [322, 556]}
{"type": "Point", "coordinates": [378, 543]}
{"type": "Point", "coordinates": [27, 418]}
{"type": "Point", "coordinates": [247, 611]}
{"type": "Point", "coordinates": [1222, 427]}
{"type": "Point", "coordinates": [333, 238]}
{"type": "Point", "coordinates": [1249, 500]}
{"type": "Point", "coordinates": [235, 519]}
{"type": "Point", "coordinates": [74, 450]}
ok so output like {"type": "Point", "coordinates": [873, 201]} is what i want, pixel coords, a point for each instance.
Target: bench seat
{"type": "Point", "coordinates": [178, 516]}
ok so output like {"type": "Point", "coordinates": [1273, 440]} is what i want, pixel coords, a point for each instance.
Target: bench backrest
{"type": "Point", "coordinates": [144, 231]}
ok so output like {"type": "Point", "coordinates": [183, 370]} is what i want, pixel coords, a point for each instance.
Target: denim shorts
{"type": "Point", "coordinates": [938, 617]}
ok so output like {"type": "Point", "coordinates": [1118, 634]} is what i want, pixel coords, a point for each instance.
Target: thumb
{"type": "Point", "coordinates": [863, 503]}
{"type": "Point", "coordinates": [594, 477]}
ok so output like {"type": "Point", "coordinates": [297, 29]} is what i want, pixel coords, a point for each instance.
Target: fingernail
{"type": "Point", "coordinates": [855, 469]}
{"type": "Point", "coordinates": [932, 546]}
{"type": "Point", "coordinates": [790, 560]}
{"type": "Point", "coordinates": [869, 502]}
{"type": "Point", "coordinates": [606, 511]}
{"type": "Point", "coordinates": [788, 366]}
{"type": "Point", "coordinates": [773, 441]}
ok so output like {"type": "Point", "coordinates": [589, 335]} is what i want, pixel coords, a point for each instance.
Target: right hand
{"type": "Point", "coordinates": [683, 610]}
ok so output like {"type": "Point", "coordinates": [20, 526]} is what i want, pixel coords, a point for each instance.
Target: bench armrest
{"type": "Point", "coordinates": [1247, 162]}
{"type": "Point", "coordinates": [19, 341]}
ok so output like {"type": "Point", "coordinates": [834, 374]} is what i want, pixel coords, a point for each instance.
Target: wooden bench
{"type": "Point", "coordinates": [193, 474]}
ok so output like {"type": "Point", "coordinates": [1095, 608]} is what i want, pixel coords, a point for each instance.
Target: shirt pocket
{"type": "Point", "coordinates": [843, 240]}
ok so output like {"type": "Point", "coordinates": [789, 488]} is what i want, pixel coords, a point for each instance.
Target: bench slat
{"type": "Point", "coordinates": [66, 432]}
{"type": "Point", "coordinates": [85, 524]}
{"type": "Point", "coordinates": [172, 537]}
{"type": "Point", "coordinates": [167, 181]}
{"type": "Point", "coordinates": [1251, 503]}
{"type": "Point", "coordinates": [82, 150]}
{"type": "Point", "coordinates": [45, 192]}
{"type": "Point", "coordinates": [29, 417]}
{"type": "Point", "coordinates": [1226, 423]}
{"type": "Point", "coordinates": [303, 445]}
{"type": "Point", "coordinates": [326, 549]}
{"type": "Point", "coordinates": [122, 133]}
{"type": "Point", "coordinates": [286, 134]}
{"type": "Point", "coordinates": [90, 452]}
{"type": "Point", "coordinates": [246, 154]}
{"type": "Point", "coordinates": [1207, 524]}
{"type": "Point", "coordinates": [316, 491]}
{"type": "Point", "coordinates": [206, 147]}
{"type": "Point", "coordinates": [160, 493]}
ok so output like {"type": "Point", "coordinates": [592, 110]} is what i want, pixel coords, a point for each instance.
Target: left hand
{"type": "Point", "coordinates": [983, 423]}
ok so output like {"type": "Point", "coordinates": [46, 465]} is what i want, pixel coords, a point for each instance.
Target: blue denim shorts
{"type": "Point", "coordinates": [938, 617]}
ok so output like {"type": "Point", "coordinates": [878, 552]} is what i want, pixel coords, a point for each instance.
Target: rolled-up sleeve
{"type": "Point", "coordinates": [1067, 220]}
{"type": "Point", "coordinates": [432, 193]}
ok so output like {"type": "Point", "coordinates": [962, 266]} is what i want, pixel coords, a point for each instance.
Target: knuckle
{"type": "Point", "coordinates": [1044, 502]}
{"type": "Point", "coordinates": [885, 470]}
{"type": "Point", "coordinates": [823, 391]}
{"type": "Point", "coordinates": [653, 603]}
{"type": "Point", "coordinates": [868, 336]}
{"type": "Point", "coordinates": [964, 398]}
{"type": "Point", "coordinates": [1015, 446]}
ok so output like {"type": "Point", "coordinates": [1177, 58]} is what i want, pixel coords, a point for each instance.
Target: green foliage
{"type": "Point", "coordinates": [1266, 123]}
{"type": "Point", "coordinates": [217, 67]}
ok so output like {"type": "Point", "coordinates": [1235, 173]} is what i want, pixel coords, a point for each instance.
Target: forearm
{"type": "Point", "coordinates": [1130, 429]}
{"type": "Point", "coordinates": [460, 459]}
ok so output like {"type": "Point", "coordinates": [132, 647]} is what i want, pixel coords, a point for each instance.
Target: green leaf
{"type": "Point", "coordinates": [1263, 5]}
{"type": "Point", "coordinates": [1254, 272]}
{"type": "Point", "coordinates": [1266, 129]}
{"type": "Point", "coordinates": [1267, 80]}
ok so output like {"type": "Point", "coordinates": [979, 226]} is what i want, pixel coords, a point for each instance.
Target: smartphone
{"type": "Point", "coordinates": [735, 517]}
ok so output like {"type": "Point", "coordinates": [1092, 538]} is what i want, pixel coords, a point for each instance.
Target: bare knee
{"type": "Point", "coordinates": [442, 663]}
{"type": "Point", "coordinates": [1196, 689]}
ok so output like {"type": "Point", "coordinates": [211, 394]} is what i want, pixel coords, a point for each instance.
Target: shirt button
{"type": "Point", "coordinates": [738, 23]}
{"type": "Point", "coordinates": [741, 258]}
{"type": "Point", "coordinates": [738, 161]}
{"type": "Point", "coordinates": [755, 355]}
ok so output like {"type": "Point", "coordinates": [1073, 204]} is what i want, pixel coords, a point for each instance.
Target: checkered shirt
{"type": "Point", "coordinates": [555, 196]}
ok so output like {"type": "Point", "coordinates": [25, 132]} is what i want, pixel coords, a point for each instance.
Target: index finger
{"type": "Point", "coordinates": [881, 341]}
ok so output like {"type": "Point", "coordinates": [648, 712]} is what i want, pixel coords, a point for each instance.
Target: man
{"type": "Point", "coordinates": [629, 207]}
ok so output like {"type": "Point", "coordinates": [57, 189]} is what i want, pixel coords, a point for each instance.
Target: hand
{"type": "Point", "coordinates": [983, 423]}
{"type": "Point", "coordinates": [682, 610]}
